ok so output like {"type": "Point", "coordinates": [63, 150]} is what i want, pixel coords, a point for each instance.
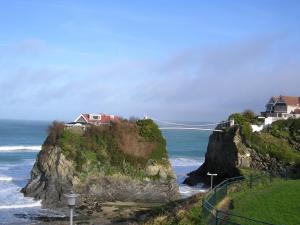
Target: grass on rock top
{"type": "Point", "coordinates": [122, 147]}
{"type": "Point", "coordinates": [276, 141]}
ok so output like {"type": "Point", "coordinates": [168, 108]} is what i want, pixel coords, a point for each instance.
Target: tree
{"type": "Point", "coordinates": [55, 131]}
{"type": "Point", "coordinates": [249, 115]}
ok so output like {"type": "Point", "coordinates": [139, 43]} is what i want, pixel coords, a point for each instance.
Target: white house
{"type": "Point", "coordinates": [283, 106]}
{"type": "Point", "coordinates": [278, 108]}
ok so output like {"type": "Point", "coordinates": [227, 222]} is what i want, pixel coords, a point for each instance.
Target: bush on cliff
{"type": "Point", "coordinates": [150, 131]}
{"type": "Point", "coordinates": [289, 128]}
{"type": "Point", "coordinates": [275, 141]}
{"type": "Point", "coordinates": [55, 132]}
{"type": "Point", "coordinates": [122, 147]}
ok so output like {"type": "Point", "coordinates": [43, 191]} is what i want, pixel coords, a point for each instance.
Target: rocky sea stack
{"type": "Point", "coordinates": [274, 150]}
{"type": "Point", "coordinates": [123, 161]}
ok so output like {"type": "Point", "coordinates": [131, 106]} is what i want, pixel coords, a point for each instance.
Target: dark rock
{"type": "Point", "coordinates": [221, 158]}
{"type": "Point", "coordinates": [228, 152]}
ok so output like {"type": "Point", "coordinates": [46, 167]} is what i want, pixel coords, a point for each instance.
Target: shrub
{"type": "Point", "coordinates": [275, 141]}
{"type": "Point", "coordinates": [55, 132]}
{"type": "Point", "coordinates": [249, 115]}
{"type": "Point", "coordinates": [110, 148]}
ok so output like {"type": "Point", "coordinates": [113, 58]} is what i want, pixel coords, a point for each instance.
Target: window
{"type": "Point", "coordinates": [95, 117]}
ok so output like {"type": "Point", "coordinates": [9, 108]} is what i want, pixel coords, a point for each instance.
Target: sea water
{"type": "Point", "coordinates": [20, 142]}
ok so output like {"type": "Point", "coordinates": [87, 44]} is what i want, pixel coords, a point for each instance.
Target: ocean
{"type": "Point", "coordinates": [20, 142]}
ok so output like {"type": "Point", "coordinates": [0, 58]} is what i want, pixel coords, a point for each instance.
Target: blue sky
{"type": "Point", "coordinates": [177, 60]}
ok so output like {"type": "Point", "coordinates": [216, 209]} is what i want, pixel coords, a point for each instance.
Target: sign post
{"type": "Point", "coordinates": [71, 198]}
{"type": "Point", "coordinates": [211, 178]}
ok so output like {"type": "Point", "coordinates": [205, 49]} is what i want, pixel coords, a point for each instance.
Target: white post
{"type": "Point", "coordinates": [211, 178]}
{"type": "Point", "coordinates": [71, 199]}
{"type": "Point", "coordinates": [71, 216]}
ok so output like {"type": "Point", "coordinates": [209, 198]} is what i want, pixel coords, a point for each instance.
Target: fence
{"type": "Point", "coordinates": [219, 192]}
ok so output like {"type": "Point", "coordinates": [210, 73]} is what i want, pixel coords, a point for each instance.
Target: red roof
{"type": "Point", "coordinates": [104, 118]}
{"type": "Point", "coordinates": [289, 100]}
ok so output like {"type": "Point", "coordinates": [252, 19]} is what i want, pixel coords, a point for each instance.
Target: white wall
{"type": "Point", "coordinates": [256, 128]}
{"type": "Point", "coordinates": [291, 108]}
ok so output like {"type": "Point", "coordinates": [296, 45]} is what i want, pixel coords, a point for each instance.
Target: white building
{"type": "Point", "coordinates": [283, 106]}
{"type": "Point", "coordinates": [278, 108]}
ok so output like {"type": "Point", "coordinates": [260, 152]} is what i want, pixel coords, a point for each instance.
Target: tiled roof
{"type": "Point", "coordinates": [291, 100]}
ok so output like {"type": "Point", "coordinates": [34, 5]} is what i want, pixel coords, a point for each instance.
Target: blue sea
{"type": "Point", "coordinates": [20, 142]}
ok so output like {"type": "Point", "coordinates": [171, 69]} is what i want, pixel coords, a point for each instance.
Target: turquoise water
{"type": "Point", "coordinates": [20, 142]}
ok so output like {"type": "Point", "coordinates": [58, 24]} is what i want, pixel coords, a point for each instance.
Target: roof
{"type": "Point", "coordinates": [104, 118]}
{"type": "Point", "coordinates": [289, 100]}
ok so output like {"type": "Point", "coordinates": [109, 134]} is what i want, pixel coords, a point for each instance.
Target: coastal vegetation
{"type": "Point", "coordinates": [124, 147]}
{"type": "Point", "coordinates": [181, 212]}
{"type": "Point", "coordinates": [281, 140]}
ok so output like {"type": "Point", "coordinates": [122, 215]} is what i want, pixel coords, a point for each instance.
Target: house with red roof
{"type": "Point", "coordinates": [278, 108]}
{"type": "Point", "coordinates": [95, 119]}
{"type": "Point", "coordinates": [283, 107]}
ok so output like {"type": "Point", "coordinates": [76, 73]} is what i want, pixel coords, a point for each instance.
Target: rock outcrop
{"type": "Point", "coordinates": [228, 152]}
{"type": "Point", "coordinates": [221, 158]}
{"type": "Point", "coordinates": [54, 174]}
{"type": "Point", "coordinates": [51, 176]}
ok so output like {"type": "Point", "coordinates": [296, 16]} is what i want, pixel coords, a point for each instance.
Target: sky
{"type": "Point", "coordinates": [172, 60]}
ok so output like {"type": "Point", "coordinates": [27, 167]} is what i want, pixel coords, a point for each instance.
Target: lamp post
{"type": "Point", "coordinates": [211, 178]}
{"type": "Point", "coordinates": [71, 199]}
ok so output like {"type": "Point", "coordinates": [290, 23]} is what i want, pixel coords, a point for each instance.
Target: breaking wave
{"type": "Point", "coordinates": [33, 148]}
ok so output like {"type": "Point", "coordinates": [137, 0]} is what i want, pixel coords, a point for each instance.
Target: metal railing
{"type": "Point", "coordinates": [219, 192]}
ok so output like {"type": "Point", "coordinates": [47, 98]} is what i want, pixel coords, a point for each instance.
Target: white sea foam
{"type": "Point", "coordinates": [186, 162]}
{"type": "Point", "coordinates": [182, 166]}
{"type": "Point", "coordinates": [5, 178]}
{"type": "Point", "coordinates": [17, 206]}
{"type": "Point", "coordinates": [187, 191]}
{"type": "Point", "coordinates": [33, 148]}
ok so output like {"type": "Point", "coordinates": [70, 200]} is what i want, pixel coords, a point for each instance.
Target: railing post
{"type": "Point", "coordinates": [251, 180]}
{"type": "Point", "coordinates": [215, 196]}
{"type": "Point", "coordinates": [217, 218]}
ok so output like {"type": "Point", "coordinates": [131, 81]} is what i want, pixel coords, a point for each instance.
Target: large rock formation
{"type": "Point", "coordinates": [230, 151]}
{"type": "Point", "coordinates": [116, 169]}
{"type": "Point", "coordinates": [221, 158]}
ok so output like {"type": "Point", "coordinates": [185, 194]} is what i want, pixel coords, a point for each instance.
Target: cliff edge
{"type": "Point", "coordinates": [237, 148]}
{"type": "Point", "coordinates": [123, 161]}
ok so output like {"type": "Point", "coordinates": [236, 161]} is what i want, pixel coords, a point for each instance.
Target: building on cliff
{"type": "Point", "coordinates": [278, 108]}
{"type": "Point", "coordinates": [283, 107]}
{"type": "Point", "coordinates": [93, 119]}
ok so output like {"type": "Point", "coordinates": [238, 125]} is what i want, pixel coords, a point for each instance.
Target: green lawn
{"type": "Point", "coordinates": [278, 202]}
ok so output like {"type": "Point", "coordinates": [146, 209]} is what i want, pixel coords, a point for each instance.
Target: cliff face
{"type": "Point", "coordinates": [51, 176]}
{"type": "Point", "coordinates": [230, 151]}
{"type": "Point", "coordinates": [112, 163]}
{"type": "Point", "coordinates": [221, 158]}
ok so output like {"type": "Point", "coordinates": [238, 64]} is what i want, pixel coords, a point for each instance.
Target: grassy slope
{"type": "Point", "coordinates": [276, 203]}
